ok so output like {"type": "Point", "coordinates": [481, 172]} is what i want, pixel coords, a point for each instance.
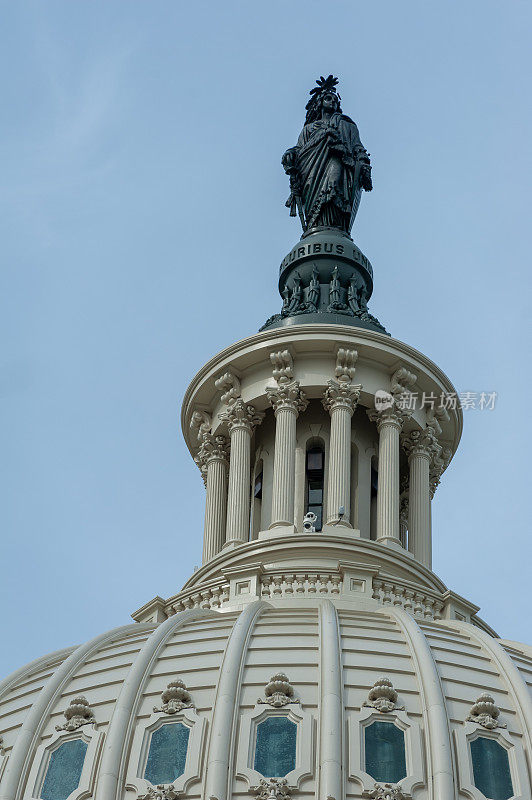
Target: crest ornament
{"type": "Point", "coordinates": [278, 691]}
{"type": "Point", "coordinates": [383, 697]}
{"type": "Point", "coordinates": [484, 712]}
{"type": "Point", "coordinates": [175, 698]}
{"type": "Point", "coordinates": [77, 714]}
{"type": "Point", "coordinates": [272, 789]}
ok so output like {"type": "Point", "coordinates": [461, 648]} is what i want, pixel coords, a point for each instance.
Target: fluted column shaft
{"type": "Point", "coordinates": [340, 400]}
{"type": "Point", "coordinates": [215, 502]}
{"type": "Point", "coordinates": [389, 424]}
{"type": "Point", "coordinates": [421, 447]}
{"type": "Point", "coordinates": [287, 400]}
{"type": "Point", "coordinates": [241, 420]}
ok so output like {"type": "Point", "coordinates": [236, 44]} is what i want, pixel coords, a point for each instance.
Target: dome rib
{"type": "Point", "coordinates": [226, 705]}
{"type": "Point", "coordinates": [514, 680]}
{"type": "Point", "coordinates": [14, 779]}
{"type": "Point", "coordinates": [434, 708]}
{"type": "Point", "coordinates": [331, 703]}
{"type": "Point", "coordinates": [124, 713]}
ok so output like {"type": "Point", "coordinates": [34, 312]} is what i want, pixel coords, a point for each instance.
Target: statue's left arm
{"type": "Point", "coordinates": [358, 154]}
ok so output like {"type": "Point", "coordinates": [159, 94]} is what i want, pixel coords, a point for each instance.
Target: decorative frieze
{"type": "Point", "coordinates": [278, 692]}
{"type": "Point", "coordinates": [272, 789]}
{"type": "Point", "coordinates": [383, 697]}
{"type": "Point", "coordinates": [485, 713]}
{"type": "Point", "coordinates": [174, 698]}
{"type": "Point", "coordinates": [77, 714]}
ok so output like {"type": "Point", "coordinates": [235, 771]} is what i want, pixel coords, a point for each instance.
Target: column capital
{"type": "Point", "coordinates": [340, 394]}
{"type": "Point", "coordinates": [212, 448]}
{"type": "Point", "coordinates": [422, 443]}
{"type": "Point", "coordinates": [287, 395]}
{"type": "Point", "coordinates": [241, 415]}
{"type": "Point", "coordinates": [392, 416]}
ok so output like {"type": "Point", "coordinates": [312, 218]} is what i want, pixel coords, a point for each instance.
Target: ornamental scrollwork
{"type": "Point", "coordinates": [229, 385]}
{"type": "Point", "coordinates": [283, 365]}
{"type": "Point", "coordinates": [272, 789]}
{"type": "Point", "coordinates": [485, 713]}
{"type": "Point", "coordinates": [345, 364]}
{"type": "Point", "coordinates": [77, 714]}
{"type": "Point", "coordinates": [175, 698]}
{"type": "Point", "coordinates": [383, 697]}
{"type": "Point", "coordinates": [278, 691]}
{"type": "Point", "coordinates": [387, 791]}
{"type": "Point", "coordinates": [161, 792]}
{"type": "Point", "coordinates": [201, 423]}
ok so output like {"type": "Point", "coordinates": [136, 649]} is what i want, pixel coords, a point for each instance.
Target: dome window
{"type": "Point", "coordinates": [167, 754]}
{"type": "Point", "coordinates": [64, 770]}
{"type": "Point", "coordinates": [275, 747]}
{"type": "Point", "coordinates": [491, 768]}
{"type": "Point", "coordinates": [384, 747]}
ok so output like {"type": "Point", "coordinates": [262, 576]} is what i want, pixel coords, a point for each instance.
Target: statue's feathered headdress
{"type": "Point", "coordinates": [322, 85]}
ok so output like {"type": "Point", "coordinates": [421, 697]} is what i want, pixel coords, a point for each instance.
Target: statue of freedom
{"type": "Point", "coordinates": [329, 167]}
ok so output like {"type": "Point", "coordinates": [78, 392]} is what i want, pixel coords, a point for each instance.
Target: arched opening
{"type": "Point", "coordinates": [355, 499]}
{"type": "Point", "coordinates": [315, 480]}
{"type": "Point", "coordinates": [256, 500]}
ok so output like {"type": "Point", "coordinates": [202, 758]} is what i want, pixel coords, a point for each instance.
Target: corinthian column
{"type": "Point", "coordinates": [340, 400]}
{"type": "Point", "coordinates": [389, 424]}
{"type": "Point", "coordinates": [213, 462]}
{"type": "Point", "coordinates": [287, 400]}
{"type": "Point", "coordinates": [241, 418]}
{"type": "Point", "coordinates": [421, 447]}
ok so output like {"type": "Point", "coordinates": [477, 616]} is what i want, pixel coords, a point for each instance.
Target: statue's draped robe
{"type": "Point", "coordinates": [328, 163]}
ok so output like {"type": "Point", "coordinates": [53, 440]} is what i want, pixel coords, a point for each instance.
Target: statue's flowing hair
{"type": "Point", "coordinates": [313, 107]}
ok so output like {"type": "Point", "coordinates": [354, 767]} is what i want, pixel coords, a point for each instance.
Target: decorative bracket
{"type": "Point", "coordinates": [229, 385]}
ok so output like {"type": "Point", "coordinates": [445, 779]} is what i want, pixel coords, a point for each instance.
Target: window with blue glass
{"type": "Point", "coordinates": [491, 768]}
{"type": "Point", "coordinates": [64, 770]}
{"type": "Point", "coordinates": [167, 754]}
{"type": "Point", "coordinates": [384, 748]}
{"type": "Point", "coordinates": [275, 747]}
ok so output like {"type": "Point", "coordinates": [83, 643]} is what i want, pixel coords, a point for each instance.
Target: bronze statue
{"type": "Point", "coordinates": [329, 166]}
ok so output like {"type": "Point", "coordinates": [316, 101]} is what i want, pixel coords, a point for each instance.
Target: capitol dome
{"type": "Point", "coordinates": [314, 654]}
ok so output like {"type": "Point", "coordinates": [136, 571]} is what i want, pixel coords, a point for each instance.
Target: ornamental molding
{"type": "Point", "coordinates": [421, 443]}
{"type": "Point", "coordinates": [161, 792]}
{"type": "Point", "coordinates": [387, 791]}
{"type": "Point", "coordinates": [229, 385]}
{"type": "Point", "coordinates": [485, 713]}
{"type": "Point", "coordinates": [282, 366]}
{"type": "Point", "coordinates": [77, 714]}
{"type": "Point", "coordinates": [92, 737]}
{"type": "Point", "coordinates": [465, 734]}
{"type": "Point", "coordinates": [241, 415]}
{"type": "Point", "coordinates": [174, 698]}
{"type": "Point", "coordinates": [383, 697]}
{"type": "Point", "coordinates": [275, 788]}
{"type": "Point", "coordinates": [278, 692]}
{"type": "Point", "coordinates": [340, 394]}
{"type": "Point", "coordinates": [201, 423]}
{"type": "Point", "coordinates": [287, 395]}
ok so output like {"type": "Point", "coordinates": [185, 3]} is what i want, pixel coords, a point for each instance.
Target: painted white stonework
{"type": "Point", "coordinates": [335, 610]}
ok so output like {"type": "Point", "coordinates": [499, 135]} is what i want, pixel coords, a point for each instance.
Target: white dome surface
{"type": "Point", "coordinates": [332, 651]}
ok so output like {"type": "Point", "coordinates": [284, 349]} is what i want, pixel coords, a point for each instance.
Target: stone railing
{"type": "Point", "coordinates": [301, 584]}
{"type": "Point", "coordinates": [210, 596]}
{"type": "Point", "coordinates": [419, 604]}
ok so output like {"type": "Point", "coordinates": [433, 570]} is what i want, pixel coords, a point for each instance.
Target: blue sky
{"type": "Point", "coordinates": [142, 224]}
